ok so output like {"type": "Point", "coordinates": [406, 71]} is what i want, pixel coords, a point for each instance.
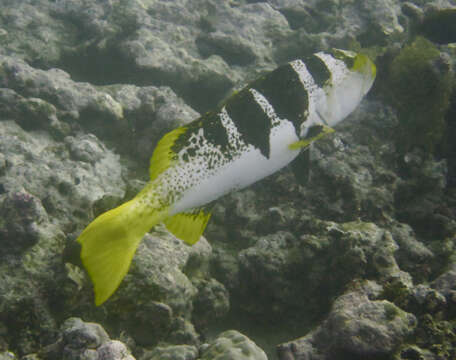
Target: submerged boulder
{"type": "Point", "coordinates": [357, 326]}
{"type": "Point", "coordinates": [79, 340]}
{"type": "Point", "coordinates": [232, 345]}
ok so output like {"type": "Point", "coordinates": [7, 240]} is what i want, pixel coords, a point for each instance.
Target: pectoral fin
{"type": "Point", "coordinates": [315, 132]}
{"type": "Point", "coordinates": [300, 167]}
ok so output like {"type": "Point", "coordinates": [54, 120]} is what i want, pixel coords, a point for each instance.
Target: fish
{"type": "Point", "coordinates": [255, 132]}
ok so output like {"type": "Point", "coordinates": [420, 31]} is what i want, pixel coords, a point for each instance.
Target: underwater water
{"type": "Point", "coordinates": [256, 231]}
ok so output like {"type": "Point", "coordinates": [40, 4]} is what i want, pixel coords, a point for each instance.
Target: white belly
{"type": "Point", "coordinates": [246, 169]}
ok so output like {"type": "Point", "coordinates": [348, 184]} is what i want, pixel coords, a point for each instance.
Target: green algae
{"type": "Point", "coordinates": [397, 293]}
{"type": "Point", "coordinates": [437, 336]}
{"type": "Point", "coordinates": [420, 87]}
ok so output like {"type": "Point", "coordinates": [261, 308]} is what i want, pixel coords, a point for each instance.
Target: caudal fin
{"type": "Point", "coordinates": [110, 241]}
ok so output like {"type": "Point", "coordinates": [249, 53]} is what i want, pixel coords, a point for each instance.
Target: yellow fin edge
{"type": "Point", "coordinates": [307, 141]}
{"type": "Point", "coordinates": [188, 226]}
{"type": "Point", "coordinates": [162, 158]}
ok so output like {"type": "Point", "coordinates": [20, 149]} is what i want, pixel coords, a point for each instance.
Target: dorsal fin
{"type": "Point", "coordinates": [162, 157]}
{"type": "Point", "coordinates": [188, 226]}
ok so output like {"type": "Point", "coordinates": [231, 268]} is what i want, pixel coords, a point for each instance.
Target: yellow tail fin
{"type": "Point", "coordinates": [110, 241]}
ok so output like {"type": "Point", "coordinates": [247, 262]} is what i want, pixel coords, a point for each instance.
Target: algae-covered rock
{"type": "Point", "coordinates": [418, 202]}
{"type": "Point", "coordinates": [420, 86]}
{"type": "Point", "coordinates": [176, 352]}
{"type": "Point", "coordinates": [114, 350]}
{"type": "Point", "coordinates": [79, 334]}
{"type": "Point", "coordinates": [156, 295]}
{"type": "Point", "coordinates": [43, 41]}
{"type": "Point", "coordinates": [232, 345]}
{"type": "Point", "coordinates": [358, 326]}
{"type": "Point", "coordinates": [79, 340]}
{"type": "Point", "coordinates": [66, 176]}
{"type": "Point", "coordinates": [131, 118]}
{"type": "Point", "coordinates": [439, 336]}
{"type": "Point", "coordinates": [326, 261]}
{"type": "Point", "coordinates": [415, 352]}
{"type": "Point", "coordinates": [439, 25]}
{"type": "Point", "coordinates": [59, 167]}
{"type": "Point", "coordinates": [210, 303]}
{"type": "Point", "coordinates": [446, 283]}
{"type": "Point", "coordinates": [7, 355]}
{"type": "Point", "coordinates": [21, 214]}
{"type": "Point", "coordinates": [412, 255]}
{"type": "Point", "coordinates": [44, 187]}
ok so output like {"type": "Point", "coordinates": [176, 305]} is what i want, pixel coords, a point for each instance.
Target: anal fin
{"type": "Point", "coordinates": [188, 226]}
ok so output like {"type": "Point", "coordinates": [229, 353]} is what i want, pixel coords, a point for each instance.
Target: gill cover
{"type": "Point", "coordinates": [352, 76]}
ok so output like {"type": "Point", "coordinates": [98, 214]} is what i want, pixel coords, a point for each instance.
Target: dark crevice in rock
{"type": "Point", "coordinates": [109, 66]}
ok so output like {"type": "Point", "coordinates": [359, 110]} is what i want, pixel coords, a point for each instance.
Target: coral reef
{"type": "Point", "coordinates": [351, 258]}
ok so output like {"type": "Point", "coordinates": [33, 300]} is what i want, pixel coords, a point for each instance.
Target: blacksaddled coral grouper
{"type": "Point", "coordinates": [254, 133]}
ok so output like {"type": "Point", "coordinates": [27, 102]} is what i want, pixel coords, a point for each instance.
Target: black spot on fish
{"type": "Point", "coordinates": [213, 131]}
{"type": "Point", "coordinates": [285, 92]}
{"type": "Point", "coordinates": [251, 121]}
{"type": "Point", "coordinates": [191, 152]}
{"type": "Point", "coordinates": [318, 69]}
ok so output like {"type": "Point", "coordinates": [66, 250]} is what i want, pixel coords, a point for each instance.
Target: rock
{"type": "Point", "coordinates": [176, 352]}
{"type": "Point", "coordinates": [32, 113]}
{"type": "Point", "coordinates": [414, 352]}
{"type": "Point", "coordinates": [438, 25]}
{"type": "Point", "coordinates": [78, 334]}
{"type": "Point", "coordinates": [430, 300]}
{"type": "Point", "coordinates": [157, 288]}
{"type": "Point", "coordinates": [210, 303]}
{"type": "Point", "coordinates": [21, 215]}
{"type": "Point", "coordinates": [82, 82]}
{"type": "Point", "coordinates": [44, 190]}
{"type": "Point", "coordinates": [66, 176]}
{"type": "Point", "coordinates": [436, 335]}
{"type": "Point", "coordinates": [183, 332]}
{"type": "Point", "coordinates": [363, 327]}
{"type": "Point", "coordinates": [446, 283]}
{"type": "Point", "coordinates": [45, 38]}
{"type": "Point", "coordinates": [6, 355]}
{"type": "Point", "coordinates": [31, 357]}
{"type": "Point", "coordinates": [232, 345]}
{"type": "Point", "coordinates": [416, 198]}
{"type": "Point", "coordinates": [327, 258]}
{"type": "Point", "coordinates": [151, 111]}
{"type": "Point", "coordinates": [113, 350]}
{"type": "Point", "coordinates": [72, 176]}
{"type": "Point", "coordinates": [81, 340]}
{"type": "Point", "coordinates": [357, 327]}
{"type": "Point", "coordinates": [188, 45]}
{"type": "Point", "coordinates": [51, 100]}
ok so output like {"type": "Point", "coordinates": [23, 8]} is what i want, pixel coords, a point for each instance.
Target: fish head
{"type": "Point", "coordinates": [352, 76]}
